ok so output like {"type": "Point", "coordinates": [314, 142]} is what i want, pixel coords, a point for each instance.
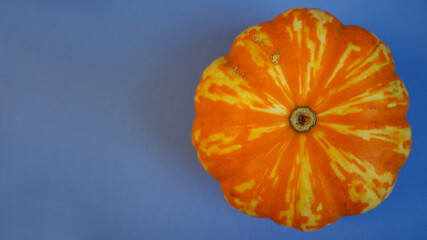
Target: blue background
{"type": "Point", "coordinates": [97, 108]}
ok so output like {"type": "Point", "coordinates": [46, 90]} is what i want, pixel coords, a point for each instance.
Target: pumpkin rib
{"type": "Point", "coordinates": [334, 49]}
{"type": "Point", "coordinates": [381, 101]}
{"type": "Point", "coordinates": [325, 57]}
{"type": "Point", "coordinates": [352, 48]}
{"type": "Point", "coordinates": [229, 188]}
{"type": "Point", "coordinates": [328, 177]}
{"type": "Point", "coordinates": [326, 199]}
{"type": "Point", "coordinates": [284, 212]}
{"type": "Point", "coordinates": [279, 180]}
{"type": "Point", "coordinates": [390, 142]}
{"type": "Point", "coordinates": [330, 202]}
{"type": "Point", "coordinates": [261, 145]}
{"type": "Point", "coordinates": [346, 207]}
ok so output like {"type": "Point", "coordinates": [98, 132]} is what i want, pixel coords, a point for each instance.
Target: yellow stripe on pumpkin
{"type": "Point", "coordinates": [248, 207]}
{"type": "Point", "coordinates": [276, 72]}
{"type": "Point", "coordinates": [245, 186]}
{"type": "Point", "coordinates": [273, 174]}
{"type": "Point", "coordinates": [306, 195]}
{"type": "Point", "coordinates": [197, 135]}
{"type": "Point", "coordinates": [256, 132]}
{"type": "Point", "coordinates": [202, 162]}
{"type": "Point", "coordinates": [218, 144]}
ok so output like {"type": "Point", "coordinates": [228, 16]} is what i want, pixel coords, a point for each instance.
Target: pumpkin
{"type": "Point", "coordinates": [303, 122]}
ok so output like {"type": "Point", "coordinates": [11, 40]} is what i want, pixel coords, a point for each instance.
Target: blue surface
{"type": "Point", "coordinates": [96, 113]}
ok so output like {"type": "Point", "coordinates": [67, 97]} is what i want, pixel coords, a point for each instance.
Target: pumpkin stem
{"type": "Point", "coordinates": [302, 119]}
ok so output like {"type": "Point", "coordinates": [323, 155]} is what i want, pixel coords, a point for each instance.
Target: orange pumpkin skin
{"type": "Point", "coordinates": [346, 164]}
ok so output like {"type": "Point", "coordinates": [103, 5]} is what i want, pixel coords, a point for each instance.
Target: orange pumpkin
{"type": "Point", "coordinates": [304, 121]}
